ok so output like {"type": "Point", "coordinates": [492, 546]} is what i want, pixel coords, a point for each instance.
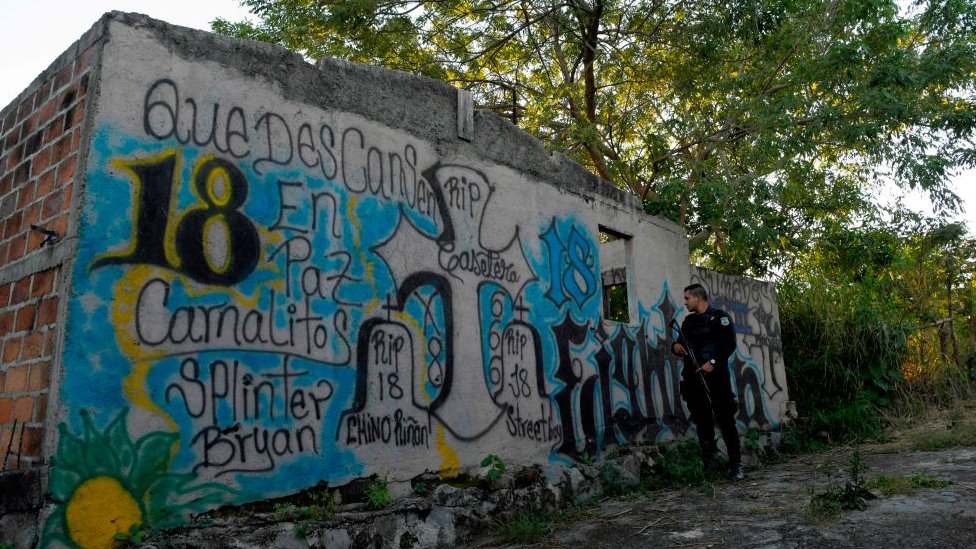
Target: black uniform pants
{"type": "Point", "coordinates": [720, 410]}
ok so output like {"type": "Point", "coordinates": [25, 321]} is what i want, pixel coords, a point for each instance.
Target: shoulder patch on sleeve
{"type": "Point", "coordinates": [725, 321]}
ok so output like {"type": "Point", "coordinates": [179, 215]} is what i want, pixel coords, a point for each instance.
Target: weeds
{"type": "Point", "coordinates": [678, 466]}
{"type": "Point", "coordinates": [422, 488]}
{"type": "Point", "coordinates": [906, 484]}
{"type": "Point", "coordinates": [496, 468]}
{"type": "Point", "coordinates": [525, 527]}
{"type": "Point", "coordinates": [378, 494]}
{"type": "Point", "coordinates": [854, 494]}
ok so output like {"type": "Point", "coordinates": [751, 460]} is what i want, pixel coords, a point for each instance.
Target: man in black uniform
{"type": "Point", "coordinates": [706, 383]}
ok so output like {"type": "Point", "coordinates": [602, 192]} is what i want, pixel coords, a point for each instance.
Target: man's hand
{"type": "Point", "coordinates": [679, 349]}
{"type": "Point", "coordinates": [707, 368]}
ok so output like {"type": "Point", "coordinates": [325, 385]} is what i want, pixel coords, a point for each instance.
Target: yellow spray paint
{"type": "Point", "coordinates": [98, 510]}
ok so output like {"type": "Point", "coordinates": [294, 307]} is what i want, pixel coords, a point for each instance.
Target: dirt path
{"type": "Point", "coordinates": [771, 509]}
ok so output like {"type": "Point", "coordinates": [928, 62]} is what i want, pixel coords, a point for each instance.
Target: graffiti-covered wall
{"type": "Point", "coordinates": [758, 365]}
{"type": "Point", "coordinates": [285, 275]}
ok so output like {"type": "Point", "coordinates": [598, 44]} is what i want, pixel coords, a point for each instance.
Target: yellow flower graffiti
{"type": "Point", "coordinates": [107, 486]}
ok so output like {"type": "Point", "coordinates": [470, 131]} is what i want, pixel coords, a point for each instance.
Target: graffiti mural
{"type": "Point", "coordinates": [268, 295]}
{"type": "Point", "coordinates": [757, 366]}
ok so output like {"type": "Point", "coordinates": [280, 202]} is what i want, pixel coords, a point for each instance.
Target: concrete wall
{"type": "Point", "coordinates": [758, 365]}
{"type": "Point", "coordinates": [283, 275]}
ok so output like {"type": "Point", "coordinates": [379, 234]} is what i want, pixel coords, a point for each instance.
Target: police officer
{"type": "Point", "coordinates": [706, 383]}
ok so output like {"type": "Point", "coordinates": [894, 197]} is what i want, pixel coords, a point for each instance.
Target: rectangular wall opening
{"type": "Point", "coordinates": [614, 258]}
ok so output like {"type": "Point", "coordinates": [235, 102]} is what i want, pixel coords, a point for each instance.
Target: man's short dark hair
{"type": "Point", "coordinates": [697, 290]}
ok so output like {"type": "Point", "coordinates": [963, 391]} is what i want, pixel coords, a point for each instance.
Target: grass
{"type": "Point", "coordinates": [906, 484]}
{"type": "Point", "coordinates": [525, 527]}
{"type": "Point", "coordinates": [378, 494]}
{"type": "Point", "coordinates": [957, 434]}
{"type": "Point", "coordinates": [532, 526]}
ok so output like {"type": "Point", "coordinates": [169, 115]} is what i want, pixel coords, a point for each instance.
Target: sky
{"type": "Point", "coordinates": [34, 32]}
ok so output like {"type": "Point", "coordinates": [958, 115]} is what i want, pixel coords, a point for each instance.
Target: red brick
{"type": "Point", "coordinates": [53, 131]}
{"type": "Point", "coordinates": [45, 91]}
{"type": "Point", "coordinates": [64, 176]}
{"type": "Point", "coordinates": [34, 240]}
{"type": "Point", "coordinates": [32, 216]}
{"type": "Point", "coordinates": [74, 115]}
{"type": "Point", "coordinates": [59, 224]}
{"type": "Point", "coordinates": [6, 183]}
{"type": "Point", "coordinates": [46, 183]}
{"type": "Point", "coordinates": [39, 376]}
{"type": "Point", "coordinates": [24, 409]}
{"type": "Point", "coordinates": [26, 195]}
{"type": "Point", "coordinates": [16, 379]}
{"type": "Point", "coordinates": [41, 161]}
{"type": "Point", "coordinates": [49, 343]}
{"type": "Point", "coordinates": [26, 106]}
{"type": "Point", "coordinates": [5, 290]}
{"type": "Point", "coordinates": [6, 409]}
{"type": "Point", "coordinates": [40, 409]}
{"type": "Point", "coordinates": [42, 283]}
{"type": "Point", "coordinates": [11, 350]}
{"type": "Point", "coordinates": [66, 170]}
{"type": "Point", "coordinates": [21, 290]}
{"type": "Point", "coordinates": [32, 346]}
{"type": "Point", "coordinates": [47, 311]}
{"type": "Point", "coordinates": [25, 318]}
{"type": "Point", "coordinates": [17, 248]}
{"type": "Point", "coordinates": [12, 225]}
{"type": "Point", "coordinates": [63, 77]}
{"type": "Point", "coordinates": [61, 148]}
{"type": "Point", "coordinates": [4, 250]}
{"type": "Point", "coordinates": [52, 204]}
{"type": "Point", "coordinates": [85, 59]}
{"type": "Point", "coordinates": [31, 442]}
{"type": "Point", "coordinates": [46, 112]}
{"type": "Point", "coordinates": [6, 323]}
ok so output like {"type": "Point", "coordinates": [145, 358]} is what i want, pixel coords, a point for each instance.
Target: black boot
{"type": "Point", "coordinates": [736, 473]}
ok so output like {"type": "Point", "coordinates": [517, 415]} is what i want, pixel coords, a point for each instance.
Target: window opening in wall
{"type": "Point", "coordinates": [614, 257]}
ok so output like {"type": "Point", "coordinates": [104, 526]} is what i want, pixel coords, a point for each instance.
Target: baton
{"type": "Point", "coordinates": [694, 361]}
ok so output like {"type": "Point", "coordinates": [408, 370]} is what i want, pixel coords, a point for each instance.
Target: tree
{"type": "Point", "coordinates": [750, 123]}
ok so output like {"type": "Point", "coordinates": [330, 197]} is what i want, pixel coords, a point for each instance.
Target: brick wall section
{"type": "Point", "coordinates": [40, 137]}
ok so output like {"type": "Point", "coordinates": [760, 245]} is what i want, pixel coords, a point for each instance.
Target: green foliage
{"type": "Point", "coordinates": [134, 537]}
{"type": "Point", "coordinates": [302, 529]}
{"type": "Point", "coordinates": [421, 488]}
{"type": "Point", "coordinates": [854, 495]}
{"type": "Point", "coordinates": [906, 484]}
{"type": "Point", "coordinates": [525, 528]}
{"type": "Point", "coordinates": [496, 467]}
{"type": "Point", "coordinates": [678, 466]}
{"type": "Point", "coordinates": [751, 123]}
{"type": "Point", "coordinates": [378, 494]}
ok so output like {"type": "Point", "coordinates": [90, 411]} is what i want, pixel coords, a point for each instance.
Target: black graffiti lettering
{"type": "Point", "coordinates": [329, 146]}
{"type": "Point", "coordinates": [298, 249]}
{"type": "Point", "coordinates": [397, 428]}
{"type": "Point", "coordinates": [236, 114]}
{"type": "Point", "coordinates": [463, 194]}
{"type": "Point", "coordinates": [543, 429]}
{"type": "Point", "coordinates": [275, 153]}
{"type": "Point", "coordinates": [190, 377]}
{"type": "Point", "coordinates": [281, 223]}
{"type": "Point", "coordinates": [161, 112]}
{"type": "Point", "coordinates": [333, 212]}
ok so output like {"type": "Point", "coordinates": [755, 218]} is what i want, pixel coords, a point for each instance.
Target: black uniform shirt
{"type": "Point", "coordinates": [711, 335]}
